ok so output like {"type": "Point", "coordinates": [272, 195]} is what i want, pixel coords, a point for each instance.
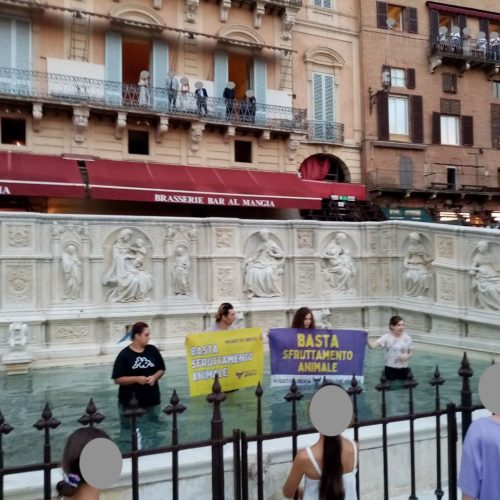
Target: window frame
{"type": "Point", "coordinates": [399, 22]}
{"type": "Point", "coordinates": [444, 135]}
{"type": "Point", "coordinates": [395, 132]}
{"type": "Point", "coordinates": [24, 143]}
{"type": "Point", "coordinates": [496, 90]}
{"type": "Point", "coordinates": [252, 151]}
{"type": "Point", "coordinates": [393, 79]}
{"type": "Point", "coordinates": [321, 4]}
{"type": "Point", "coordinates": [127, 142]}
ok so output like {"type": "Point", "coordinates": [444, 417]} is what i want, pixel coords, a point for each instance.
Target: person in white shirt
{"type": "Point", "coordinates": [398, 348]}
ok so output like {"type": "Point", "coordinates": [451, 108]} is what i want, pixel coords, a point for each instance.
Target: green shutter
{"type": "Point", "coordinates": [221, 76]}
{"type": "Point", "coordinates": [6, 58]}
{"type": "Point", "coordinates": [113, 67]}
{"type": "Point", "coordinates": [324, 106]}
{"type": "Point", "coordinates": [260, 86]}
{"type": "Point", "coordinates": [22, 60]}
{"type": "Point", "coordinates": [159, 69]}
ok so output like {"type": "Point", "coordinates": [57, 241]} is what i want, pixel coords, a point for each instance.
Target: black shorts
{"type": "Point", "coordinates": [395, 373]}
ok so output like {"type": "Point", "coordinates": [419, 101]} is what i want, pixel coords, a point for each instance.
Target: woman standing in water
{"type": "Point", "coordinates": [398, 349]}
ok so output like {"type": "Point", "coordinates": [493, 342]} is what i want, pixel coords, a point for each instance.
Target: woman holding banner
{"type": "Point", "coordinates": [398, 349]}
{"type": "Point", "coordinates": [224, 318]}
{"type": "Point", "coordinates": [303, 318]}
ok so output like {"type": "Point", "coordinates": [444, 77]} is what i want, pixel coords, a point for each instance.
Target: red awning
{"type": "Point", "coordinates": [24, 174]}
{"type": "Point", "coordinates": [464, 11]}
{"type": "Point", "coordinates": [150, 182]}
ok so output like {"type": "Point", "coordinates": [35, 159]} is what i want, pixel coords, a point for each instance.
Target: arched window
{"type": "Point", "coordinates": [324, 168]}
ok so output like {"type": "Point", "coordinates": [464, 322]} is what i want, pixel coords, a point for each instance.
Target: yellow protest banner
{"type": "Point", "coordinates": [236, 355]}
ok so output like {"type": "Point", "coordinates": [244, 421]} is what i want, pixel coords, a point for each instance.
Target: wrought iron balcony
{"type": "Point", "coordinates": [330, 132]}
{"type": "Point", "coordinates": [101, 94]}
{"type": "Point", "coordinates": [460, 50]}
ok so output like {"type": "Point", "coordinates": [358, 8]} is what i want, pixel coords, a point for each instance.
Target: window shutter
{"type": "Point", "coordinates": [410, 78]}
{"type": "Point", "coordinates": [405, 172]}
{"type": "Point", "coordinates": [159, 69]}
{"type": "Point", "coordinates": [450, 107]}
{"type": "Point", "coordinates": [461, 22]}
{"type": "Point", "coordinates": [383, 116]}
{"type": "Point", "coordinates": [113, 67]}
{"type": "Point", "coordinates": [260, 86]}
{"type": "Point", "coordinates": [23, 45]}
{"type": "Point", "coordinates": [495, 125]}
{"type": "Point", "coordinates": [417, 118]}
{"type": "Point", "coordinates": [327, 4]}
{"type": "Point", "coordinates": [434, 20]}
{"type": "Point", "coordinates": [467, 131]}
{"type": "Point", "coordinates": [436, 128]}
{"type": "Point", "coordinates": [329, 102]}
{"type": "Point", "coordinates": [221, 76]}
{"type": "Point", "coordinates": [381, 15]}
{"type": "Point", "coordinates": [6, 58]}
{"type": "Point", "coordinates": [318, 106]}
{"type": "Point", "coordinates": [450, 83]}
{"type": "Point", "coordinates": [484, 25]}
{"type": "Point", "coordinates": [412, 20]}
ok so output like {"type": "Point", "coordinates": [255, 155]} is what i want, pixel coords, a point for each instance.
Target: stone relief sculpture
{"type": "Point", "coordinates": [417, 267]}
{"type": "Point", "coordinates": [338, 267]}
{"type": "Point", "coordinates": [72, 272]}
{"type": "Point", "coordinates": [181, 272]}
{"type": "Point", "coordinates": [485, 278]}
{"type": "Point", "coordinates": [127, 277]}
{"type": "Point", "coordinates": [18, 336]}
{"type": "Point", "coordinates": [264, 268]}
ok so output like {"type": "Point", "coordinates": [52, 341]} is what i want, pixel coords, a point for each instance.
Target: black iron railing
{"type": "Point", "coordinates": [72, 90]}
{"type": "Point", "coordinates": [466, 49]}
{"type": "Point", "coordinates": [322, 131]}
{"type": "Point", "coordinates": [240, 440]}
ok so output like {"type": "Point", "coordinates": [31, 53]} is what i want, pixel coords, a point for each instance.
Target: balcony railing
{"type": "Point", "coordinates": [467, 49]}
{"type": "Point", "coordinates": [330, 132]}
{"type": "Point", "coordinates": [469, 180]}
{"type": "Point", "coordinates": [94, 93]}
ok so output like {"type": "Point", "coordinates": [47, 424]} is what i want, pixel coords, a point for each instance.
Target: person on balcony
{"type": "Point", "coordinates": [482, 44]}
{"type": "Point", "coordinates": [172, 89]}
{"type": "Point", "coordinates": [495, 46]}
{"type": "Point", "coordinates": [229, 96]}
{"type": "Point", "coordinates": [144, 91]}
{"type": "Point", "coordinates": [201, 98]}
{"type": "Point", "coordinates": [249, 107]}
{"type": "Point", "coordinates": [184, 94]}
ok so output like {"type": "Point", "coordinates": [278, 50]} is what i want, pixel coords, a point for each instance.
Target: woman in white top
{"type": "Point", "coordinates": [398, 349]}
{"type": "Point", "coordinates": [329, 467]}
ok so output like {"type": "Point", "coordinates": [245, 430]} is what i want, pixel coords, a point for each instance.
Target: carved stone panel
{"type": "Point", "coordinates": [305, 239]}
{"type": "Point", "coordinates": [447, 287]}
{"type": "Point", "coordinates": [182, 326]}
{"type": "Point", "coordinates": [445, 326]}
{"type": "Point", "coordinates": [267, 320]}
{"type": "Point", "coordinates": [71, 333]}
{"type": "Point", "coordinates": [305, 280]}
{"type": "Point", "coordinates": [349, 318]}
{"type": "Point", "coordinates": [224, 237]}
{"type": "Point", "coordinates": [18, 284]}
{"type": "Point", "coordinates": [224, 281]}
{"type": "Point", "coordinates": [445, 247]}
{"type": "Point", "coordinates": [19, 236]}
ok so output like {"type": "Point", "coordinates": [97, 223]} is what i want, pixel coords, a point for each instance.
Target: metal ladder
{"type": "Point", "coordinates": [80, 36]}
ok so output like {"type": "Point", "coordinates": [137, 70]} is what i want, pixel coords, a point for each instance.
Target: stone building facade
{"type": "Point", "coordinates": [431, 129]}
{"type": "Point", "coordinates": [102, 83]}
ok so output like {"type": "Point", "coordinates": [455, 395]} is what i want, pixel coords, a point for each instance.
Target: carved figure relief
{"type": "Point", "coordinates": [338, 266]}
{"type": "Point", "coordinates": [264, 268]}
{"type": "Point", "coordinates": [127, 276]}
{"type": "Point", "coordinates": [305, 238]}
{"type": "Point", "coordinates": [72, 272]}
{"type": "Point", "coordinates": [447, 288]}
{"type": "Point", "coordinates": [417, 264]}
{"type": "Point", "coordinates": [485, 278]}
{"type": "Point", "coordinates": [181, 272]}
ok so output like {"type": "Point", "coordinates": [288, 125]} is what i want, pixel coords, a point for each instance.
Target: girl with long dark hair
{"type": "Point", "coordinates": [329, 467]}
{"type": "Point", "coordinates": [303, 318]}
